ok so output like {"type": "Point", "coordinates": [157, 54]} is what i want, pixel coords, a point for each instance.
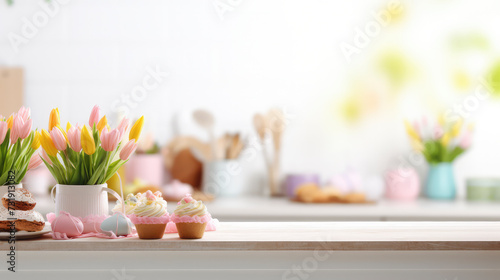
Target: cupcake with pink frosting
{"type": "Point", "coordinates": [150, 216]}
{"type": "Point", "coordinates": [190, 218]}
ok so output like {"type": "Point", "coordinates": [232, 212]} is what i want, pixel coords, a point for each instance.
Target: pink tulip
{"type": "Point", "coordinates": [466, 140]}
{"type": "Point", "coordinates": [128, 149]}
{"type": "Point", "coordinates": [424, 121]}
{"type": "Point", "coordinates": [26, 129]}
{"type": "Point", "coordinates": [14, 131]}
{"type": "Point", "coordinates": [35, 161]}
{"type": "Point", "coordinates": [74, 138]}
{"type": "Point", "coordinates": [3, 131]}
{"type": "Point", "coordinates": [123, 126]}
{"type": "Point", "coordinates": [58, 139]}
{"type": "Point", "coordinates": [94, 116]}
{"type": "Point", "coordinates": [110, 140]}
{"type": "Point", "coordinates": [438, 132]}
{"type": "Point", "coordinates": [46, 157]}
{"type": "Point", "coordinates": [20, 129]}
{"type": "Point", "coordinates": [25, 113]}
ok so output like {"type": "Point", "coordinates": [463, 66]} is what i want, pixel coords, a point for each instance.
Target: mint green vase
{"type": "Point", "coordinates": [441, 181]}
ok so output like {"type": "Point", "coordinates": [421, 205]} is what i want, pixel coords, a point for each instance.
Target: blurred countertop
{"type": "Point", "coordinates": [252, 209]}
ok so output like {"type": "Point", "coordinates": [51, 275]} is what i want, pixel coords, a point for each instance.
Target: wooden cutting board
{"type": "Point", "coordinates": [11, 90]}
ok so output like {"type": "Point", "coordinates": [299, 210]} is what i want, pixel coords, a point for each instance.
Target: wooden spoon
{"type": "Point", "coordinates": [259, 122]}
{"type": "Point", "coordinates": [276, 122]}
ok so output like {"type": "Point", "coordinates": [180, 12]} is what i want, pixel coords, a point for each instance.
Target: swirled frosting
{"type": "Point", "coordinates": [130, 204]}
{"type": "Point", "coordinates": [190, 207]}
{"type": "Point", "coordinates": [151, 205]}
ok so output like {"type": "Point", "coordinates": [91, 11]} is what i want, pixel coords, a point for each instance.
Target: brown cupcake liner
{"type": "Point", "coordinates": [191, 230]}
{"type": "Point", "coordinates": [150, 231]}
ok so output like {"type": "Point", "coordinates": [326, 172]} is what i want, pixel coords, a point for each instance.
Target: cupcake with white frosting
{"type": "Point", "coordinates": [129, 204]}
{"type": "Point", "coordinates": [190, 218]}
{"type": "Point", "coordinates": [150, 216]}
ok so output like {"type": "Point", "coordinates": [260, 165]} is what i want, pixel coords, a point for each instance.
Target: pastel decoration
{"type": "Point", "coordinates": [347, 182]}
{"type": "Point", "coordinates": [176, 190]}
{"type": "Point", "coordinates": [65, 223]}
{"type": "Point", "coordinates": [187, 199]}
{"type": "Point", "coordinates": [119, 224]}
{"type": "Point", "coordinates": [92, 223]}
{"type": "Point", "coordinates": [402, 184]}
{"type": "Point", "coordinates": [150, 196]}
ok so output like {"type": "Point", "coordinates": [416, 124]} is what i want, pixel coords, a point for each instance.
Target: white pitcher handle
{"type": "Point", "coordinates": [115, 194]}
{"type": "Point", "coordinates": [52, 193]}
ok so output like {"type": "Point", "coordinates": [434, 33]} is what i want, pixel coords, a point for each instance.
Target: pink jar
{"type": "Point", "coordinates": [402, 184]}
{"type": "Point", "coordinates": [146, 167]}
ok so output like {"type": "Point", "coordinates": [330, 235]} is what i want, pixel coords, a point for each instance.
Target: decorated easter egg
{"type": "Point", "coordinates": [119, 224]}
{"type": "Point", "coordinates": [65, 223]}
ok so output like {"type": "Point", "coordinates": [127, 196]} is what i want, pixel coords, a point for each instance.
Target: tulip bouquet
{"type": "Point", "coordinates": [440, 142]}
{"type": "Point", "coordinates": [18, 145]}
{"type": "Point", "coordinates": [87, 155]}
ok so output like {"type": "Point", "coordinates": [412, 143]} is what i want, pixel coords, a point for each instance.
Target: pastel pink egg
{"type": "Point", "coordinates": [65, 223]}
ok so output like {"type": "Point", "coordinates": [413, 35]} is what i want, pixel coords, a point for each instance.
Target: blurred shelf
{"type": "Point", "coordinates": [252, 209]}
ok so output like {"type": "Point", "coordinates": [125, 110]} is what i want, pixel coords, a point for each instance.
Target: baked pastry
{"type": "Point", "coordinates": [5, 223]}
{"type": "Point", "coordinates": [150, 217]}
{"type": "Point", "coordinates": [26, 220]}
{"type": "Point", "coordinates": [312, 193]}
{"type": "Point", "coordinates": [355, 197]}
{"type": "Point", "coordinates": [191, 218]}
{"type": "Point", "coordinates": [20, 199]}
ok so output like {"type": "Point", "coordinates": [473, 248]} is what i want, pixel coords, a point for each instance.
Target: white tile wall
{"type": "Point", "coordinates": [264, 53]}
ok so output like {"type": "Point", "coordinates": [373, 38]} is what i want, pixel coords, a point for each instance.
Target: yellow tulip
{"type": "Point", "coordinates": [10, 121]}
{"type": "Point", "coordinates": [136, 129]}
{"type": "Point", "coordinates": [441, 119]}
{"type": "Point", "coordinates": [417, 145]}
{"type": "Point", "coordinates": [446, 139]}
{"type": "Point", "coordinates": [455, 129]}
{"type": "Point", "coordinates": [88, 144]}
{"type": "Point", "coordinates": [68, 126]}
{"type": "Point", "coordinates": [36, 141]}
{"type": "Point", "coordinates": [411, 131]}
{"type": "Point", "coordinates": [47, 144]}
{"type": "Point", "coordinates": [54, 119]}
{"type": "Point", "coordinates": [102, 123]}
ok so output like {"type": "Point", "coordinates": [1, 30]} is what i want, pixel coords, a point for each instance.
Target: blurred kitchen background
{"type": "Point", "coordinates": [327, 84]}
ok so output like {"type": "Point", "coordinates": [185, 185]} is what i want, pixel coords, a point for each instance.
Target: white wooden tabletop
{"type": "Point", "coordinates": [254, 236]}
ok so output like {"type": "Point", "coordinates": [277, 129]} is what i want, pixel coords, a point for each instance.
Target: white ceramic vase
{"type": "Point", "coordinates": [82, 201]}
